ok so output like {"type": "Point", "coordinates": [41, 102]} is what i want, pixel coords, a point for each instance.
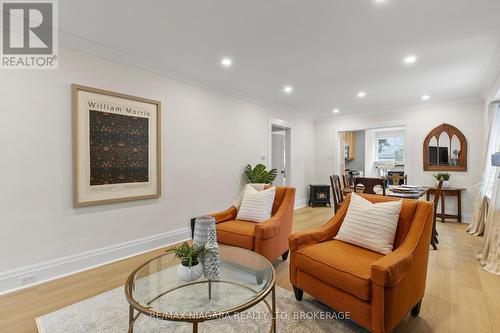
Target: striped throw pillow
{"type": "Point", "coordinates": [256, 206]}
{"type": "Point", "coordinates": [369, 225]}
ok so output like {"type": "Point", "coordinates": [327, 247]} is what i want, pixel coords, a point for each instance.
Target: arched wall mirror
{"type": "Point", "coordinates": [445, 149]}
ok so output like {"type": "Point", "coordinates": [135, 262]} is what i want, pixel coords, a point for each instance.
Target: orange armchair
{"type": "Point", "coordinates": [268, 238]}
{"type": "Point", "coordinates": [377, 290]}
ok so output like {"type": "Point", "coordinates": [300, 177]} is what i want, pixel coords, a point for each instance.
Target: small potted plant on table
{"type": "Point", "coordinates": [445, 176]}
{"type": "Point", "coordinates": [191, 256]}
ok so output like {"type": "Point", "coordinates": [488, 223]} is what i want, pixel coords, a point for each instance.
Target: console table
{"type": "Point", "coordinates": [448, 192]}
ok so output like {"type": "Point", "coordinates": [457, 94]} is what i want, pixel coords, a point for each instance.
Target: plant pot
{"type": "Point", "coordinates": [188, 274]}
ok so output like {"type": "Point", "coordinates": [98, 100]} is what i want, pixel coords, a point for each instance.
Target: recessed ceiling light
{"type": "Point", "coordinates": [410, 59]}
{"type": "Point", "coordinates": [426, 97]}
{"type": "Point", "coordinates": [335, 110]}
{"type": "Point", "coordinates": [361, 94]}
{"type": "Point", "coordinates": [380, 1]}
{"type": "Point", "coordinates": [226, 62]}
{"type": "Point", "coordinates": [288, 89]}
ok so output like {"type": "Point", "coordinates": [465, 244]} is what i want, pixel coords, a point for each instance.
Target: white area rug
{"type": "Point", "coordinates": [108, 312]}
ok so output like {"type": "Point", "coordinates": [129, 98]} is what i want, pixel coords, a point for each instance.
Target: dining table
{"type": "Point", "coordinates": [395, 191]}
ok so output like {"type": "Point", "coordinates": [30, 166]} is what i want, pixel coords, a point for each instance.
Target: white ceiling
{"type": "Point", "coordinates": [327, 50]}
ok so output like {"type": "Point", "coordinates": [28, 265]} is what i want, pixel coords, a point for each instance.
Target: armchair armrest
{"type": "Point", "coordinates": [391, 269]}
{"type": "Point", "coordinates": [388, 271]}
{"type": "Point", "coordinates": [225, 215]}
{"type": "Point", "coordinates": [300, 239]}
{"type": "Point", "coordinates": [325, 232]}
{"type": "Point", "coordinates": [268, 229]}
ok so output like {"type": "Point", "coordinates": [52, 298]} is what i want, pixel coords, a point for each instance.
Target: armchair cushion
{"type": "Point", "coordinates": [256, 205]}
{"type": "Point", "coordinates": [258, 187]}
{"type": "Point", "coordinates": [337, 263]}
{"type": "Point", "coordinates": [370, 225]}
{"type": "Point", "coordinates": [237, 233]}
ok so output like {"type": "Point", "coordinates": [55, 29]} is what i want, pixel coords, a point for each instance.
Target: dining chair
{"type": "Point", "coordinates": [437, 195]}
{"type": "Point", "coordinates": [348, 179]}
{"type": "Point", "coordinates": [338, 196]}
{"type": "Point", "coordinates": [370, 183]}
{"type": "Point", "coordinates": [339, 190]}
{"type": "Point", "coordinates": [395, 179]}
{"type": "Point", "coordinates": [344, 180]}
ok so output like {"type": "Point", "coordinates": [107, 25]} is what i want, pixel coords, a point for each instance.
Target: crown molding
{"type": "Point", "coordinates": [92, 48]}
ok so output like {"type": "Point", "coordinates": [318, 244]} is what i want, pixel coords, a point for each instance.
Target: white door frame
{"type": "Point", "coordinates": [288, 126]}
{"type": "Point", "coordinates": [408, 154]}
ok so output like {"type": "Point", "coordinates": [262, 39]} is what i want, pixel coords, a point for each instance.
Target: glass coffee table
{"type": "Point", "coordinates": [246, 278]}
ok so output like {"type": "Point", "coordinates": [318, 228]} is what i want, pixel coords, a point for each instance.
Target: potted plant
{"type": "Point", "coordinates": [259, 174]}
{"type": "Point", "coordinates": [191, 267]}
{"type": "Point", "coordinates": [445, 176]}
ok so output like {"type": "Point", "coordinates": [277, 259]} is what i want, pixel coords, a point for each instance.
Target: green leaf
{"type": "Point", "coordinates": [190, 255]}
{"type": "Point", "coordinates": [259, 174]}
{"type": "Point", "coordinates": [442, 175]}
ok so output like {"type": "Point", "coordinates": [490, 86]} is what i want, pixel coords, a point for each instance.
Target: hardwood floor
{"type": "Point", "coordinates": [460, 296]}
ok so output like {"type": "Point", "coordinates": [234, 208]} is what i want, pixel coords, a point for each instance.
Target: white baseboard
{"type": "Point", "coordinates": [299, 203]}
{"type": "Point", "coordinates": [57, 268]}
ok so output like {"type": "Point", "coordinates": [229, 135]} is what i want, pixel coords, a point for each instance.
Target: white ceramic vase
{"type": "Point", "coordinates": [446, 183]}
{"type": "Point", "coordinates": [188, 274]}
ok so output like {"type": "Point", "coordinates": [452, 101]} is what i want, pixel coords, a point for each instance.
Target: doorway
{"type": "Point", "coordinates": [280, 154]}
{"type": "Point", "coordinates": [374, 152]}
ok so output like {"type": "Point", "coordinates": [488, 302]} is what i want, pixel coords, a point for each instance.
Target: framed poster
{"type": "Point", "coordinates": [116, 147]}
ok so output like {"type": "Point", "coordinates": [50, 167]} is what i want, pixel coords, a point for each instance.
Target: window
{"type": "Point", "coordinates": [390, 148]}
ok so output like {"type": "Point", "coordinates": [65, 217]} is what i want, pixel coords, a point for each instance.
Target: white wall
{"type": "Point", "coordinates": [467, 117]}
{"type": "Point", "coordinates": [208, 138]}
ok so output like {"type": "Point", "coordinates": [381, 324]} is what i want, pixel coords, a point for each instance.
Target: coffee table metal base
{"type": "Point", "coordinates": [271, 307]}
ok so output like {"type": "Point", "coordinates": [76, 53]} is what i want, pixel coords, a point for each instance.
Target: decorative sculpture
{"type": "Point", "coordinates": [205, 234]}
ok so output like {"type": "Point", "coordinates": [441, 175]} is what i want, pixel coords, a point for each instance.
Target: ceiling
{"type": "Point", "coordinates": [327, 50]}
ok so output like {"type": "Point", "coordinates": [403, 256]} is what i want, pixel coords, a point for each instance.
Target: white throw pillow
{"type": "Point", "coordinates": [256, 206]}
{"type": "Point", "coordinates": [237, 201]}
{"type": "Point", "coordinates": [372, 226]}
